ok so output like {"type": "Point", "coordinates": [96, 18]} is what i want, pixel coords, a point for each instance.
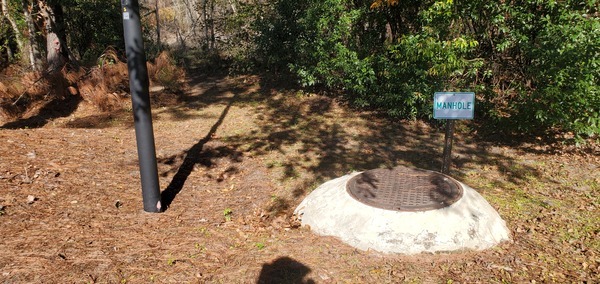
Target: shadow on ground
{"type": "Point", "coordinates": [322, 138]}
{"type": "Point", "coordinates": [284, 270]}
{"type": "Point", "coordinates": [197, 154]}
{"type": "Point", "coordinates": [57, 107]}
{"type": "Point", "coordinates": [328, 142]}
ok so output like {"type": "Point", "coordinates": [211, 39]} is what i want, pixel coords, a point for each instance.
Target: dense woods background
{"type": "Point", "coordinates": [534, 64]}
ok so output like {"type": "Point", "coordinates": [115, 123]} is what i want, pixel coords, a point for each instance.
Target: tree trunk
{"type": "Point", "coordinates": [189, 7]}
{"type": "Point", "coordinates": [212, 24]}
{"type": "Point", "coordinates": [9, 53]}
{"type": "Point", "coordinates": [188, 17]}
{"type": "Point", "coordinates": [32, 47]}
{"type": "Point", "coordinates": [208, 10]}
{"type": "Point", "coordinates": [53, 55]}
{"type": "Point", "coordinates": [157, 24]}
{"type": "Point", "coordinates": [205, 18]}
{"type": "Point", "coordinates": [57, 53]}
{"type": "Point", "coordinates": [14, 26]}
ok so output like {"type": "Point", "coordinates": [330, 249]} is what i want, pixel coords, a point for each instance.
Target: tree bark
{"type": "Point", "coordinates": [208, 10]}
{"type": "Point", "coordinates": [32, 47]}
{"type": "Point", "coordinates": [57, 53]}
{"type": "Point", "coordinates": [157, 24]}
{"type": "Point", "coordinates": [212, 24]}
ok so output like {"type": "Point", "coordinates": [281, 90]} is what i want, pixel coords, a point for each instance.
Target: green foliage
{"type": "Point", "coordinates": [92, 26]}
{"type": "Point", "coordinates": [227, 214]}
{"type": "Point", "coordinates": [533, 63]}
{"type": "Point", "coordinates": [278, 34]}
{"type": "Point", "coordinates": [565, 69]}
{"type": "Point", "coordinates": [8, 38]}
{"type": "Point", "coordinates": [5, 37]}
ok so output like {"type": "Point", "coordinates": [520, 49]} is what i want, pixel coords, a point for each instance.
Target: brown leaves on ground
{"type": "Point", "coordinates": [242, 155]}
{"type": "Point", "coordinates": [105, 86]}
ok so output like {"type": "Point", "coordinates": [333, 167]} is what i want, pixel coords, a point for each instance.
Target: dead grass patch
{"type": "Point", "coordinates": [163, 71]}
{"type": "Point", "coordinates": [105, 86]}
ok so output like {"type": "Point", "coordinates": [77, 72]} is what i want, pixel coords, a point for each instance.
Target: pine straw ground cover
{"type": "Point", "coordinates": [38, 95]}
{"type": "Point", "coordinates": [238, 154]}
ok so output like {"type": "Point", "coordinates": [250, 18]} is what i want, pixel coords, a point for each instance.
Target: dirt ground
{"type": "Point", "coordinates": [237, 154]}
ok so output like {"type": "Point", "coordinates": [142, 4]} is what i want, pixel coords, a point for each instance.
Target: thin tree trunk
{"type": "Point", "coordinates": [212, 24]}
{"type": "Point", "coordinates": [208, 11]}
{"type": "Point", "coordinates": [9, 52]}
{"type": "Point", "coordinates": [13, 24]}
{"type": "Point", "coordinates": [180, 37]}
{"type": "Point", "coordinates": [188, 16]}
{"type": "Point", "coordinates": [157, 24]}
{"type": "Point", "coordinates": [205, 18]}
{"type": "Point", "coordinates": [53, 55]}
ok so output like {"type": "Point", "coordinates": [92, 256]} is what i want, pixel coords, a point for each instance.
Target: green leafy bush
{"type": "Point", "coordinates": [533, 63]}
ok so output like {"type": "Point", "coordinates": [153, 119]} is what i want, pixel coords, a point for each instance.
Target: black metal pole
{"type": "Point", "coordinates": [139, 88]}
{"type": "Point", "coordinates": [447, 156]}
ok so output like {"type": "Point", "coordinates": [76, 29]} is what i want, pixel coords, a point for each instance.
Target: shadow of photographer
{"type": "Point", "coordinates": [284, 270]}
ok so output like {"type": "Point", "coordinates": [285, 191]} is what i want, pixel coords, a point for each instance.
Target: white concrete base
{"type": "Point", "coordinates": [468, 224]}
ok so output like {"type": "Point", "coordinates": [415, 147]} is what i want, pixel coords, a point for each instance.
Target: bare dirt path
{"type": "Point", "coordinates": [236, 155]}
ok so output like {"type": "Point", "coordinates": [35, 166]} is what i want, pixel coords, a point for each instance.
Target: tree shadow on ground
{"type": "Point", "coordinates": [319, 138]}
{"type": "Point", "coordinates": [551, 142]}
{"type": "Point", "coordinates": [284, 270]}
{"type": "Point", "coordinates": [57, 107]}
{"type": "Point", "coordinates": [102, 120]}
{"type": "Point", "coordinates": [206, 89]}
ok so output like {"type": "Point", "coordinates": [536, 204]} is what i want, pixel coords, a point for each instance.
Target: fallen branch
{"type": "Point", "coordinates": [25, 92]}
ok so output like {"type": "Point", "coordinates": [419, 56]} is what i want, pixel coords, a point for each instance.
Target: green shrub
{"type": "Point", "coordinates": [533, 63]}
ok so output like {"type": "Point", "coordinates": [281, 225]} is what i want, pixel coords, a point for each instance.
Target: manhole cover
{"type": "Point", "coordinates": [404, 189]}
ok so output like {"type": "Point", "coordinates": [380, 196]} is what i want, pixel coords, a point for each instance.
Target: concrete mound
{"type": "Point", "coordinates": [470, 223]}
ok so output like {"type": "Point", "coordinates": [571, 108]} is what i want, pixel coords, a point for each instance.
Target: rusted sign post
{"type": "Point", "coordinates": [140, 97]}
{"type": "Point", "coordinates": [451, 106]}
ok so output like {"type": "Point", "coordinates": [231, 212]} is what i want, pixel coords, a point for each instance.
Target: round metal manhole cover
{"type": "Point", "coordinates": [404, 189]}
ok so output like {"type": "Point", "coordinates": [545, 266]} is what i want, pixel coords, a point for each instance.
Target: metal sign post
{"type": "Point", "coordinates": [140, 97]}
{"type": "Point", "coordinates": [448, 138]}
{"type": "Point", "coordinates": [451, 106]}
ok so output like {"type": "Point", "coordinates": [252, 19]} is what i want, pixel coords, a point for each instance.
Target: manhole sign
{"type": "Point", "coordinates": [453, 105]}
